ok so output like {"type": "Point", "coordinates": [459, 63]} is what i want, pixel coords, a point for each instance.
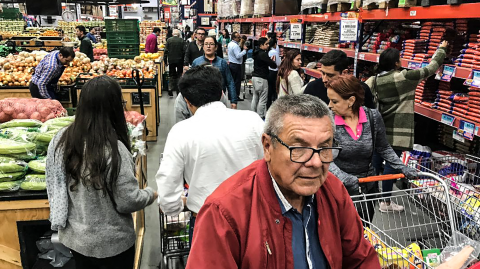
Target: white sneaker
{"type": "Point", "coordinates": [390, 208]}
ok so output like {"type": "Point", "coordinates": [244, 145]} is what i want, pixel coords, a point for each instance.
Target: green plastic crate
{"type": "Point", "coordinates": [122, 25]}
{"type": "Point", "coordinates": [11, 14]}
{"type": "Point", "coordinates": [123, 51]}
{"type": "Point", "coordinates": [123, 37]}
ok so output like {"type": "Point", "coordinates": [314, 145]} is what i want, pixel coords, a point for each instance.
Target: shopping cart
{"type": "Point", "coordinates": [422, 222]}
{"type": "Point", "coordinates": [248, 76]}
{"type": "Point", "coordinates": [174, 239]}
{"type": "Point", "coordinates": [462, 176]}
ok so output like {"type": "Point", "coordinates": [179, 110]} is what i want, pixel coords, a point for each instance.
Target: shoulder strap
{"type": "Point", "coordinates": [371, 120]}
{"type": "Point", "coordinates": [374, 90]}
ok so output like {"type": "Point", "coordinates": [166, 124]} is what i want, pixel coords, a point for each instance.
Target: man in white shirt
{"type": "Point", "coordinates": [235, 60]}
{"type": "Point", "coordinates": [273, 72]}
{"type": "Point", "coordinates": [207, 148]}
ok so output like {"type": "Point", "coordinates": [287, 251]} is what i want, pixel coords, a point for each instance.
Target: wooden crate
{"type": "Point", "coordinates": [340, 7]}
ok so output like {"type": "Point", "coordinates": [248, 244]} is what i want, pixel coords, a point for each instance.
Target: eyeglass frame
{"type": "Point", "coordinates": [290, 148]}
{"type": "Point", "coordinates": [209, 44]}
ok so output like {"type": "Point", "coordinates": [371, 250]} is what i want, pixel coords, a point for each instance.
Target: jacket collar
{"type": "Point", "coordinates": [207, 60]}
{"type": "Point", "coordinates": [212, 107]}
{"type": "Point", "coordinates": [362, 118]}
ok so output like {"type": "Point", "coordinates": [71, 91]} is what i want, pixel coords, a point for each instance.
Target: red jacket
{"type": "Point", "coordinates": [151, 43]}
{"type": "Point", "coordinates": [243, 214]}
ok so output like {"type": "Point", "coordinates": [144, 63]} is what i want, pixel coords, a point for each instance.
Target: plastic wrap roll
{"type": "Point", "coordinates": [312, 3]}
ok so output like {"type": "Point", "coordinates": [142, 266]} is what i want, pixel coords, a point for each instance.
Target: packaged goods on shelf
{"type": "Point", "coordinates": [262, 7]}
{"type": "Point", "coordinates": [246, 8]}
{"type": "Point", "coordinates": [426, 92]}
{"type": "Point", "coordinates": [310, 32]}
{"type": "Point", "coordinates": [327, 35]}
{"type": "Point", "coordinates": [313, 4]}
{"type": "Point", "coordinates": [236, 28]}
{"type": "Point", "coordinates": [146, 28]}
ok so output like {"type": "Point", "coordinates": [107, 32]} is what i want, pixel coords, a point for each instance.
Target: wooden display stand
{"type": "Point", "coordinates": [65, 98]}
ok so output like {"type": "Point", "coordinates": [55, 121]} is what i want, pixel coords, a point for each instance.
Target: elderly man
{"type": "Point", "coordinates": [174, 53]}
{"type": "Point", "coordinates": [207, 148]}
{"type": "Point", "coordinates": [286, 211]}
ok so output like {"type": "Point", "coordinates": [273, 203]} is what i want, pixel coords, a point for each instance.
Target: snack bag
{"type": "Point", "coordinates": [373, 238]}
{"type": "Point", "coordinates": [415, 256]}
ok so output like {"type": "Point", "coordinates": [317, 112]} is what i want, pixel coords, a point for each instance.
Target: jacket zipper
{"type": "Point", "coordinates": [268, 248]}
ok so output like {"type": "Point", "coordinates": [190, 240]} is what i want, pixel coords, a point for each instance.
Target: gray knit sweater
{"type": "Point", "coordinates": [94, 227]}
{"type": "Point", "coordinates": [354, 160]}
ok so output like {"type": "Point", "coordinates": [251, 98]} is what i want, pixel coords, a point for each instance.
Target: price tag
{"type": "Point", "coordinates": [473, 79]}
{"type": "Point", "coordinates": [348, 30]}
{"type": "Point", "coordinates": [320, 49]}
{"type": "Point", "coordinates": [414, 65]}
{"type": "Point", "coordinates": [446, 73]}
{"type": "Point", "coordinates": [447, 119]}
{"type": "Point", "coordinates": [424, 65]}
{"type": "Point", "coordinates": [305, 48]}
{"type": "Point", "coordinates": [361, 56]}
{"type": "Point", "coordinates": [466, 129]}
{"type": "Point", "coordinates": [457, 137]}
{"type": "Point", "coordinates": [295, 31]}
{"type": "Point", "coordinates": [413, 13]}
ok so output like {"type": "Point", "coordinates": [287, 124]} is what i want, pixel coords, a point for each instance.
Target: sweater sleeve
{"type": "Point", "coordinates": [213, 234]}
{"type": "Point", "coordinates": [264, 57]}
{"type": "Point", "coordinates": [385, 150]}
{"type": "Point", "coordinates": [350, 181]}
{"type": "Point", "coordinates": [295, 83]}
{"type": "Point", "coordinates": [429, 70]}
{"type": "Point", "coordinates": [127, 195]}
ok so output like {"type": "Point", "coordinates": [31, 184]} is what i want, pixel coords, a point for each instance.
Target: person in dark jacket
{"type": "Point", "coordinates": [334, 63]}
{"type": "Point", "coordinates": [194, 49]}
{"type": "Point", "coordinates": [260, 77]}
{"type": "Point", "coordinates": [86, 44]}
{"type": "Point", "coordinates": [174, 56]}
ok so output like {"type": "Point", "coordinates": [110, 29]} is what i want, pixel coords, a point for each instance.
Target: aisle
{"type": "Point", "coordinates": [151, 249]}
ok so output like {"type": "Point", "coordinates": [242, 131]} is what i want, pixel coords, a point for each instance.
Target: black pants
{"type": "Point", "coordinates": [123, 260]}
{"type": "Point", "coordinates": [175, 71]}
{"type": "Point", "coordinates": [272, 87]}
{"type": "Point", "coordinates": [236, 70]}
{"type": "Point", "coordinates": [35, 92]}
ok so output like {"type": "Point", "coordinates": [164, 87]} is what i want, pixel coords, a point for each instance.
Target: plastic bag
{"type": "Point", "coordinates": [246, 8]}
{"type": "Point", "coordinates": [456, 244]}
{"type": "Point", "coordinates": [313, 3]}
{"type": "Point", "coordinates": [249, 67]}
{"type": "Point", "coordinates": [10, 186]}
{"type": "Point", "coordinates": [262, 7]}
{"type": "Point", "coordinates": [51, 249]}
{"type": "Point", "coordinates": [34, 182]}
{"type": "Point", "coordinates": [21, 123]}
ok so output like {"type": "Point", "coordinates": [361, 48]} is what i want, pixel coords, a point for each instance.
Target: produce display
{"type": "Point", "coordinates": [121, 68]}
{"type": "Point", "coordinates": [134, 117]}
{"type": "Point", "coordinates": [29, 108]}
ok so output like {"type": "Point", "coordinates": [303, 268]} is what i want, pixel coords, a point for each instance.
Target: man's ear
{"type": "Point", "coordinates": [345, 72]}
{"type": "Point", "coordinates": [267, 147]}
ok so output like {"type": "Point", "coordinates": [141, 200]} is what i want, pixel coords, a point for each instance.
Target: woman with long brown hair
{"type": "Point", "coordinates": [289, 80]}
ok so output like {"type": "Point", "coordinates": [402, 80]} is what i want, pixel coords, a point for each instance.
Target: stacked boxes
{"type": "Point", "coordinates": [123, 38]}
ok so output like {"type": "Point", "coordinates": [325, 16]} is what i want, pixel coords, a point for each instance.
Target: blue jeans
{"type": "Point", "coordinates": [190, 230]}
{"type": "Point", "coordinates": [387, 185]}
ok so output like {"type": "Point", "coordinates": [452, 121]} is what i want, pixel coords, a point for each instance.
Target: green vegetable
{"type": "Point", "coordinates": [9, 165]}
{"type": "Point", "coordinates": [21, 156]}
{"type": "Point", "coordinates": [59, 122]}
{"type": "Point", "coordinates": [47, 136]}
{"type": "Point", "coordinates": [37, 166]}
{"type": "Point", "coordinates": [35, 178]}
{"type": "Point", "coordinates": [33, 186]}
{"type": "Point", "coordinates": [19, 134]}
{"type": "Point", "coordinates": [10, 186]}
{"type": "Point", "coordinates": [4, 177]}
{"type": "Point", "coordinates": [21, 123]}
{"type": "Point", "coordinates": [8, 146]}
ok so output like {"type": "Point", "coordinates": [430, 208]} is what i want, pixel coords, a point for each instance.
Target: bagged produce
{"type": "Point", "coordinates": [10, 186]}
{"type": "Point", "coordinates": [59, 122]}
{"type": "Point", "coordinates": [8, 146]}
{"type": "Point", "coordinates": [30, 108]}
{"type": "Point", "coordinates": [47, 136]}
{"type": "Point", "coordinates": [134, 117]}
{"type": "Point", "coordinates": [21, 123]}
{"type": "Point", "coordinates": [22, 134]}
{"type": "Point", "coordinates": [37, 166]}
{"type": "Point", "coordinates": [11, 165]}
{"type": "Point", "coordinates": [34, 182]}
{"type": "Point", "coordinates": [6, 177]}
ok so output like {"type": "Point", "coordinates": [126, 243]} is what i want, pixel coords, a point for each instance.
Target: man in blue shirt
{"type": "Point", "coordinates": [47, 73]}
{"type": "Point", "coordinates": [235, 59]}
{"type": "Point", "coordinates": [91, 35]}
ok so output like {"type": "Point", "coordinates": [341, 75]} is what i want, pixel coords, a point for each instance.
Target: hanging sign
{"type": "Point", "coordinates": [466, 129]}
{"type": "Point", "coordinates": [348, 30]}
{"type": "Point", "coordinates": [186, 12]}
{"type": "Point", "coordinates": [446, 73]}
{"type": "Point", "coordinates": [447, 119]}
{"type": "Point", "coordinates": [296, 31]}
{"type": "Point", "coordinates": [473, 79]}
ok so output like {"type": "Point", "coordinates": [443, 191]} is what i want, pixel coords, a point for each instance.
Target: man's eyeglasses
{"type": "Point", "coordinates": [209, 44]}
{"type": "Point", "coordinates": [304, 154]}
{"type": "Point", "coordinates": [200, 33]}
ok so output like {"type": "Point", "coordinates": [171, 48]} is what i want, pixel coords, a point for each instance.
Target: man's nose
{"type": "Point", "coordinates": [315, 161]}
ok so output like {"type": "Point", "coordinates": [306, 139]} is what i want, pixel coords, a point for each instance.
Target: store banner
{"type": "Point", "coordinates": [170, 2]}
{"type": "Point", "coordinates": [348, 30]}
{"type": "Point", "coordinates": [295, 31]}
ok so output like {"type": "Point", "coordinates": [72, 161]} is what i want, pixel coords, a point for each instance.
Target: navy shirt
{"type": "Point", "coordinates": [304, 226]}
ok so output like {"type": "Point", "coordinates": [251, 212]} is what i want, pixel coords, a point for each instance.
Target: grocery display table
{"type": "Point", "coordinates": [24, 219]}
{"type": "Point", "coordinates": [65, 95]}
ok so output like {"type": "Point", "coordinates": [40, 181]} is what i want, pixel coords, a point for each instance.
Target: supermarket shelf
{"type": "Point", "coordinates": [437, 115]}
{"type": "Point", "coordinates": [251, 37]}
{"type": "Point", "coordinates": [463, 11]}
{"type": "Point", "coordinates": [323, 49]}
{"type": "Point", "coordinates": [336, 16]}
{"type": "Point", "coordinates": [289, 44]}
{"type": "Point", "coordinates": [460, 72]}
{"type": "Point", "coordinates": [207, 14]}
{"type": "Point", "coordinates": [313, 72]}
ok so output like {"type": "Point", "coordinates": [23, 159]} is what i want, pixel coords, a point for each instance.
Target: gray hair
{"type": "Point", "coordinates": [301, 105]}
{"type": "Point", "coordinates": [176, 32]}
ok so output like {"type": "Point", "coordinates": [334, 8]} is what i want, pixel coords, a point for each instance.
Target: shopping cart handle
{"type": "Point", "coordinates": [380, 178]}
